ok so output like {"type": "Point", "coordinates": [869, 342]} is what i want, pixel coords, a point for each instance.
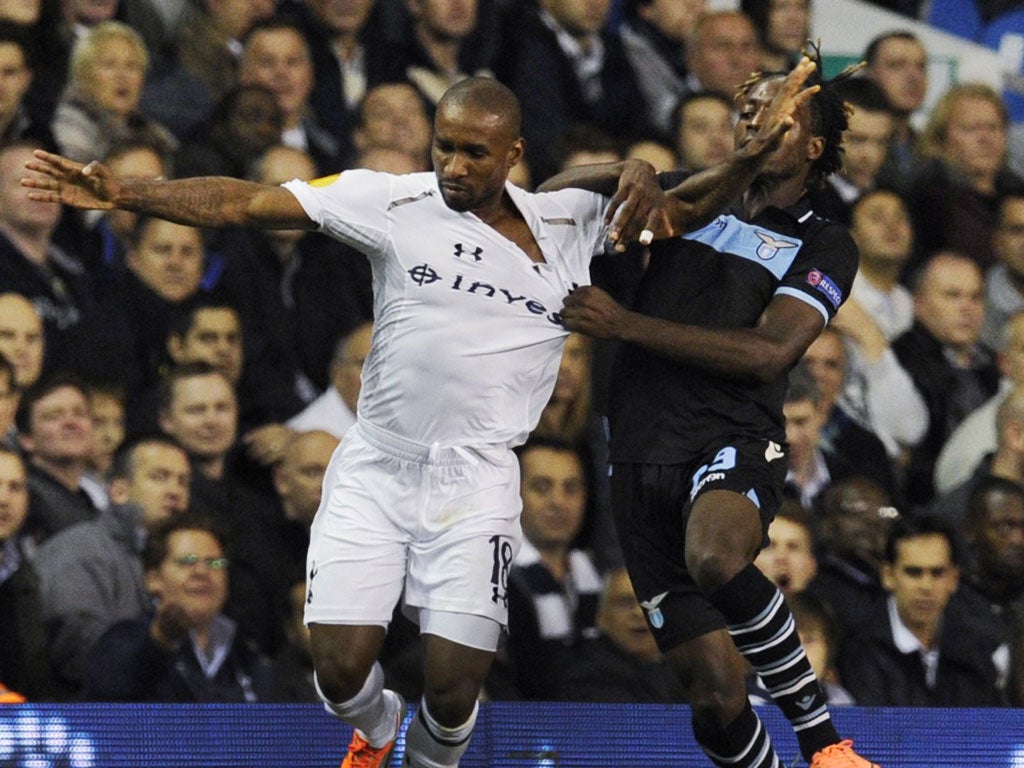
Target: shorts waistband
{"type": "Point", "coordinates": [420, 453]}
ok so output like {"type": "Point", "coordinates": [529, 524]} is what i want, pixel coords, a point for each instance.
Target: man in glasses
{"type": "Point", "coordinates": [187, 650]}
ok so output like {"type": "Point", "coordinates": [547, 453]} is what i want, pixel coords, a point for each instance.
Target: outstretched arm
{"type": "Point", "coordinates": [701, 197]}
{"type": "Point", "coordinates": [212, 201]}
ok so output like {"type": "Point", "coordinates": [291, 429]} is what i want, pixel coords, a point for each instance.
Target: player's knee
{"type": "Point", "coordinates": [712, 567]}
{"type": "Point", "coordinates": [451, 702]}
{"type": "Point", "coordinates": [341, 677]}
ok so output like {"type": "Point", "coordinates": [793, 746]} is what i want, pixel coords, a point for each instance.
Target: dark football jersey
{"type": "Point", "coordinates": [724, 275]}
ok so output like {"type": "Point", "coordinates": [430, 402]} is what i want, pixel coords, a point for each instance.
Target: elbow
{"type": "Point", "coordinates": [768, 364]}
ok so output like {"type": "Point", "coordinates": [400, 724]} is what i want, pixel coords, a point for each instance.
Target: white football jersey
{"type": "Point", "coordinates": [467, 334]}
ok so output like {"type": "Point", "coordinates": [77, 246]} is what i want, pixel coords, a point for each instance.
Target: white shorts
{"type": "Point", "coordinates": [440, 523]}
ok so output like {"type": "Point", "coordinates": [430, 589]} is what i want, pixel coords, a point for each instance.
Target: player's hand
{"type": "Point", "coordinates": [266, 444]}
{"type": "Point", "coordinates": [781, 112]}
{"type": "Point", "coordinates": [60, 180]}
{"type": "Point", "coordinates": [637, 211]}
{"type": "Point", "coordinates": [171, 624]}
{"type": "Point", "coordinates": [592, 311]}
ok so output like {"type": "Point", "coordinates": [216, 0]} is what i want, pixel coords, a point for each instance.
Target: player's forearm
{"type": "Point", "coordinates": [602, 178]}
{"type": "Point", "coordinates": [701, 197]}
{"type": "Point", "coordinates": [199, 202]}
{"type": "Point", "coordinates": [742, 354]}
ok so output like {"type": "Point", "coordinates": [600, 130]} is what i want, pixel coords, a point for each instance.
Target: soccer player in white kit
{"type": "Point", "coordinates": [469, 274]}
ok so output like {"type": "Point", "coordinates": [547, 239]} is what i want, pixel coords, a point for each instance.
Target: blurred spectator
{"type": "Point", "coordinates": [879, 310]}
{"type": "Point", "coordinates": [189, 651]}
{"type": "Point", "coordinates": [553, 588]}
{"type": "Point", "coordinates": [951, 368]}
{"type": "Point", "coordinates": [623, 663]}
{"type": "Point", "coordinates": [16, 66]}
{"type": "Point", "coordinates": [335, 410]}
{"type": "Point", "coordinates": [702, 130]}
{"type": "Point", "coordinates": [350, 56]}
{"type": "Point", "coordinates": [8, 403]}
{"type": "Point", "coordinates": [91, 574]}
{"type": "Point", "coordinates": [21, 338]}
{"type": "Point", "coordinates": [1004, 283]}
{"type": "Point", "coordinates": [582, 144]}
{"type": "Point", "coordinates": [788, 559]}
{"type": "Point", "coordinates": [392, 116]}
{"type": "Point", "coordinates": [55, 432]}
{"type": "Point", "coordinates": [847, 431]}
{"type": "Point", "coordinates": [955, 200]}
{"type": "Point", "coordinates": [898, 62]}
{"type": "Point", "coordinates": [293, 664]}
{"type": "Point", "coordinates": [659, 155]}
{"type": "Point", "coordinates": [1005, 461]}
{"type": "Point", "coordinates": [277, 56]}
{"type": "Point", "coordinates": [784, 27]}
{"type": "Point", "coordinates": [23, 666]}
{"type": "Point", "coordinates": [199, 409]}
{"type": "Point", "coordinates": [915, 652]}
{"type": "Point", "coordinates": [246, 122]}
{"type": "Point", "coordinates": [108, 427]}
{"type": "Point", "coordinates": [297, 292]}
{"type": "Point", "coordinates": [298, 481]}
{"type": "Point", "coordinates": [447, 41]}
{"type": "Point", "coordinates": [654, 35]}
{"type": "Point", "coordinates": [32, 264]}
{"type": "Point", "coordinates": [866, 143]}
{"type": "Point", "coordinates": [722, 53]}
{"type": "Point", "coordinates": [811, 468]}
{"type": "Point", "coordinates": [976, 436]}
{"type": "Point", "coordinates": [820, 635]}
{"type": "Point", "coordinates": [100, 106]}
{"type": "Point", "coordinates": [854, 520]}
{"type": "Point", "coordinates": [569, 416]}
{"type": "Point", "coordinates": [566, 67]}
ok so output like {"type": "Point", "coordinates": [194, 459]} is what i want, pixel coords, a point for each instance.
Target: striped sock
{"type": "Point", "coordinates": [763, 629]}
{"type": "Point", "coordinates": [743, 743]}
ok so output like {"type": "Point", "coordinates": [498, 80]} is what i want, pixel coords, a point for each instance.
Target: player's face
{"type": "Point", "coordinates": [921, 580]}
{"type": "Point", "coordinates": [881, 228]}
{"type": "Point", "coordinates": [198, 587]}
{"type": "Point", "coordinates": [472, 153]}
{"type": "Point", "coordinates": [13, 495]}
{"type": "Point", "coordinates": [554, 497]}
{"type": "Point", "coordinates": [788, 560]}
{"type": "Point", "coordinates": [800, 147]}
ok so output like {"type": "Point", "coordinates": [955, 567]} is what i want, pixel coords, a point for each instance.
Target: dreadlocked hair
{"type": "Point", "coordinates": [830, 114]}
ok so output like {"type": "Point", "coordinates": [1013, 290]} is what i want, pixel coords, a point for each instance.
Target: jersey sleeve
{"type": "Point", "coordinates": [822, 273]}
{"type": "Point", "coordinates": [351, 206]}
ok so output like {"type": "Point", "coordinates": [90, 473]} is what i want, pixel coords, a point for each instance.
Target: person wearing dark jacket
{"type": "Point", "coordinates": [187, 651]}
{"type": "Point", "coordinates": [916, 651]}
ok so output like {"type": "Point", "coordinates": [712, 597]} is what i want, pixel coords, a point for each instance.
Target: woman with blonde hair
{"type": "Point", "coordinates": [100, 106]}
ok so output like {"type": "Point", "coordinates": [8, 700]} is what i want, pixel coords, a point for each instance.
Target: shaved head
{"type": "Point", "coordinates": [485, 94]}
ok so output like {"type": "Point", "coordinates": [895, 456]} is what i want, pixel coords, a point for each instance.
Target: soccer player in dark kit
{"type": "Point", "coordinates": [698, 436]}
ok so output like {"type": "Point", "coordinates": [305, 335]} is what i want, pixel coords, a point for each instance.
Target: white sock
{"type": "Point", "coordinates": [373, 711]}
{"type": "Point", "coordinates": [428, 744]}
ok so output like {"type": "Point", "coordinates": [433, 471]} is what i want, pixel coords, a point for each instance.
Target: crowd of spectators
{"type": "Point", "coordinates": [170, 397]}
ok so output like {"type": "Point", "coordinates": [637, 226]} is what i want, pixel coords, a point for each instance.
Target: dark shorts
{"type": "Point", "coordinates": [652, 504]}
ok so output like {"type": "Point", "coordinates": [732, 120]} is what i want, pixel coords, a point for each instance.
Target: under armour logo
{"type": "Point", "coordinates": [770, 246]}
{"type": "Point", "coordinates": [773, 451]}
{"type": "Point", "coordinates": [461, 250]}
{"type": "Point", "coordinates": [806, 702]}
{"type": "Point", "coordinates": [654, 613]}
{"type": "Point", "coordinates": [423, 275]}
